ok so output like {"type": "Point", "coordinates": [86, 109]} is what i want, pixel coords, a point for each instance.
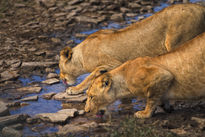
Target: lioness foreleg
{"type": "Point", "coordinates": [149, 109]}
{"type": "Point", "coordinates": [85, 83]}
{"type": "Point", "coordinates": [158, 81]}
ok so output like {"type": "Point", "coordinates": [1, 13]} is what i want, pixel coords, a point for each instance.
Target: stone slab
{"type": "Point", "coordinates": [3, 109]}
{"type": "Point", "coordinates": [13, 119]}
{"type": "Point", "coordinates": [38, 64]}
{"type": "Point", "coordinates": [59, 117]}
{"type": "Point", "coordinates": [31, 98]}
{"type": "Point", "coordinates": [52, 75]}
{"type": "Point", "coordinates": [72, 128]}
{"type": "Point", "coordinates": [81, 112]}
{"type": "Point", "coordinates": [34, 89]}
{"type": "Point", "coordinates": [8, 75]}
{"type": "Point", "coordinates": [48, 95]}
{"type": "Point", "coordinates": [70, 98]}
{"type": "Point", "coordinates": [10, 132]}
{"type": "Point", "coordinates": [51, 81]}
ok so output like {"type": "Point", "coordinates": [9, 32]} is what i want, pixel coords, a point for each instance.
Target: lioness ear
{"type": "Point", "coordinates": [66, 53]}
{"type": "Point", "coordinates": [158, 80]}
{"type": "Point", "coordinates": [106, 81]}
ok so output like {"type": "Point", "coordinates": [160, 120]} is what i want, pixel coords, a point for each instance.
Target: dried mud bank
{"type": "Point", "coordinates": [32, 101]}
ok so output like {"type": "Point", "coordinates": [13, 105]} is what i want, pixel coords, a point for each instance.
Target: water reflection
{"type": "Point", "coordinates": [34, 78]}
{"type": "Point", "coordinates": [162, 6]}
{"type": "Point", "coordinates": [90, 31]}
{"type": "Point", "coordinates": [194, 1]}
{"type": "Point", "coordinates": [40, 106]}
{"type": "Point", "coordinates": [40, 130]}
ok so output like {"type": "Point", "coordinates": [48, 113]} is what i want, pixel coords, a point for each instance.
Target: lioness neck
{"type": "Point", "coordinates": [77, 59]}
{"type": "Point", "coordinates": [119, 84]}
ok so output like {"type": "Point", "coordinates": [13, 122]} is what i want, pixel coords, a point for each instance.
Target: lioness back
{"type": "Point", "coordinates": [153, 36]}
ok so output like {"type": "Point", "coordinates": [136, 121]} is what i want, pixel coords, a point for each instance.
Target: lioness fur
{"type": "Point", "coordinates": [177, 75]}
{"type": "Point", "coordinates": [107, 49]}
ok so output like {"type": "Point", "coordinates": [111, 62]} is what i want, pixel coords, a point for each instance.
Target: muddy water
{"type": "Point", "coordinates": [52, 106]}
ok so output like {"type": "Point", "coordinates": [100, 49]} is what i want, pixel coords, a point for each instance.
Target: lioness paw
{"type": "Point", "coordinates": [72, 91]}
{"type": "Point", "coordinates": [142, 114]}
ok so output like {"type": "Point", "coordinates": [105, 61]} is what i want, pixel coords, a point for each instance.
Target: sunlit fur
{"type": "Point", "coordinates": [107, 49]}
{"type": "Point", "coordinates": [178, 75]}
{"type": "Point", "coordinates": [94, 98]}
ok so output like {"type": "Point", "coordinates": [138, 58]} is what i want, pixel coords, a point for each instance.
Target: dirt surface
{"type": "Point", "coordinates": [33, 32]}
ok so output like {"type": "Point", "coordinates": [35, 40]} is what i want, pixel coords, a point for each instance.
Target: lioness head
{"type": "Point", "coordinates": [69, 70]}
{"type": "Point", "coordinates": [98, 94]}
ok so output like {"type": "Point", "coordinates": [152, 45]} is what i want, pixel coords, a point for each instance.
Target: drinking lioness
{"type": "Point", "coordinates": [107, 49]}
{"type": "Point", "coordinates": [177, 75]}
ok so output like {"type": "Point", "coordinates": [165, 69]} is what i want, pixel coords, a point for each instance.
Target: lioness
{"type": "Point", "coordinates": [107, 49]}
{"type": "Point", "coordinates": [177, 75]}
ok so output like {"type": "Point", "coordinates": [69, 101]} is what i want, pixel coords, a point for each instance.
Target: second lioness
{"type": "Point", "coordinates": [177, 75]}
{"type": "Point", "coordinates": [107, 49]}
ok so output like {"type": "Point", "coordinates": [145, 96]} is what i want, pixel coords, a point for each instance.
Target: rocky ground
{"type": "Point", "coordinates": [32, 32]}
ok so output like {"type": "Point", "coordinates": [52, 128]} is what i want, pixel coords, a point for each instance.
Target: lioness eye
{"type": "Point", "coordinates": [91, 97]}
{"type": "Point", "coordinates": [106, 83]}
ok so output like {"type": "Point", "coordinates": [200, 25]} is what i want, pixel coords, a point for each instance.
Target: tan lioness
{"type": "Point", "coordinates": [177, 75]}
{"type": "Point", "coordinates": [107, 49]}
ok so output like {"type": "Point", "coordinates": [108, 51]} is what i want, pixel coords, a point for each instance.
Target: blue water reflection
{"type": "Point", "coordinates": [113, 26]}
{"type": "Point", "coordinates": [138, 104]}
{"type": "Point", "coordinates": [44, 130]}
{"type": "Point", "coordinates": [76, 40]}
{"type": "Point", "coordinates": [162, 6]}
{"type": "Point", "coordinates": [90, 31]}
{"type": "Point", "coordinates": [115, 106]}
{"type": "Point", "coordinates": [40, 106]}
{"type": "Point", "coordinates": [34, 78]}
